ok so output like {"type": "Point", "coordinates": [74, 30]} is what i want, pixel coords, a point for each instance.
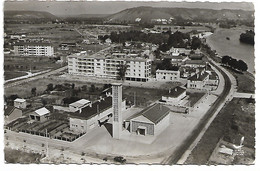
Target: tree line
{"type": "Point", "coordinates": [234, 64]}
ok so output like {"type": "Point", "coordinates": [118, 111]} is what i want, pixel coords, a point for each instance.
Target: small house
{"type": "Point", "coordinates": [20, 103]}
{"type": "Point", "coordinates": [41, 115]}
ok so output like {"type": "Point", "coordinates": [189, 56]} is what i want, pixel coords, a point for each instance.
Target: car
{"type": "Point", "coordinates": [120, 159]}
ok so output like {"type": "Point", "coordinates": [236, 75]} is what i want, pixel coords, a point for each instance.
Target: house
{"type": "Point", "coordinates": [167, 75]}
{"type": "Point", "coordinates": [20, 103]}
{"type": "Point", "coordinates": [78, 105]}
{"type": "Point", "coordinates": [108, 41]}
{"type": "Point", "coordinates": [92, 116]}
{"type": "Point", "coordinates": [41, 115]}
{"type": "Point", "coordinates": [150, 121]}
{"type": "Point", "coordinates": [195, 63]}
{"type": "Point", "coordinates": [198, 81]}
{"type": "Point", "coordinates": [179, 51]}
{"type": "Point", "coordinates": [12, 113]}
{"type": "Point", "coordinates": [174, 96]}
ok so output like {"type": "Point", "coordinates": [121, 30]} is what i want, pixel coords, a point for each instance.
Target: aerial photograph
{"type": "Point", "coordinates": [120, 83]}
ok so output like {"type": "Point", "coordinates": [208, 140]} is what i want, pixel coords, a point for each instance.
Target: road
{"type": "Point", "coordinates": [11, 84]}
{"type": "Point", "coordinates": [177, 155]}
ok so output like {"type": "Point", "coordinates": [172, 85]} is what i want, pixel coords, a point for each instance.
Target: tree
{"type": "Point", "coordinates": [242, 66]}
{"type": "Point", "coordinates": [121, 71]}
{"type": "Point", "coordinates": [33, 91]}
{"type": "Point", "coordinates": [49, 87]}
{"type": "Point", "coordinates": [225, 59]}
{"type": "Point", "coordinates": [166, 64]}
{"type": "Point", "coordinates": [92, 88]}
{"type": "Point", "coordinates": [44, 102]}
{"type": "Point", "coordinates": [195, 43]}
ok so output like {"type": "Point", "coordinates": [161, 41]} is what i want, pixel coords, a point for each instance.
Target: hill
{"type": "Point", "coordinates": [28, 15]}
{"type": "Point", "coordinates": [191, 14]}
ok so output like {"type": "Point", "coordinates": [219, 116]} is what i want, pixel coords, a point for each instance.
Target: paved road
{"type": "Point", "coordinates": [176, 156]}
{"type": "Point", "coordinates": [11, 84]}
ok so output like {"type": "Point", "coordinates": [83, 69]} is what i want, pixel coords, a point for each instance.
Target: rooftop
{"type": "Point", "coordinates": [33, 43]}
{"type": "Point", "coordinates": [198, 62]}
{"type": "Point", "coordinates": [8, 110]}
{"type": "Point", "coordinates": [19, 100]}
{"type": "Point", "coordinates": [199, 76]}
{"type": "Point", "coordinates": [91, 111]}
{"type": "Point", "coordinates": [42, 111]}
{"type": "Point", "coordinates": [154, 113]}
{"type": "Point", "coordinates": [195, 56]}
{"type": "Point", "coordinates": [80, 103]}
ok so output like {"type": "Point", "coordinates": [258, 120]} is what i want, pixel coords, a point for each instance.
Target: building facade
{"type": "Point", "coordinates": [33, 49]}
{"type": "Point", "coordinates": [20, 103]}
{"type": "Point", "coordinates": [174, 96]}
{"type": "Point", "coordinates": [138, 69]}
{"type": "Point", "coordinates": [167, 75]}
{"type": "Point", "coordinates": [198, 81]}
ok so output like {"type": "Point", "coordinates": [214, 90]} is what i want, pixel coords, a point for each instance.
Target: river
{"type": "Point", "coordinates": [218, 41]}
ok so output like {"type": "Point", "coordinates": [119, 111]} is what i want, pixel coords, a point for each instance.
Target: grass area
{"type": "Point", "coordinates": [245, 81]}
{"type": "Point", "coordinates": [17, 156]}
{"type": "Point", "coordinates": [236, 119]}
{"type": "Point", "coordinates": [13, 74]}
{"type": "Point", "coordinates": [144, 96]}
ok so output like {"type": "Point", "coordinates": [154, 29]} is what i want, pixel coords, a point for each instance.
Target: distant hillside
{"type": "Point", "coordinates": [28, 15]}
{"type": "Point", "coordinates": [193, 14]}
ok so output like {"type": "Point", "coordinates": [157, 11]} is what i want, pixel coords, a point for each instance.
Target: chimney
{"type": "Point", "coordinates": [90, 104]}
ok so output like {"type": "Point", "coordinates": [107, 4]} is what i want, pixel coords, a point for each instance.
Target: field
{"type": "Point", "coordinates": [13, 74]}
{"type": "Point", "coordinates": [236, 119]}
{"type": "Point", "coordinates": [17, 156]}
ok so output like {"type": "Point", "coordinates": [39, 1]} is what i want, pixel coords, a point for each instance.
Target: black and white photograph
{"type": "Point", "coordinates": [128, 82]}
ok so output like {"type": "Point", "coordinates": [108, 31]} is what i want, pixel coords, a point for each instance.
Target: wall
{"type": "Point", "coordinates": [136, 124]}
{"type": "Point", "coordinates": [162, 125]}
{"type": "Point", "coordinates": [21, 105]}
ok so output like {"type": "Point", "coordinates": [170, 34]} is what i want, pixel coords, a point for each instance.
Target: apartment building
{"type": "Point", "coordinates": [33, 49]}
{"type": "Point", "coordinates": [138, 69]}
{"type": "Point", "coordinates": [167, 75]}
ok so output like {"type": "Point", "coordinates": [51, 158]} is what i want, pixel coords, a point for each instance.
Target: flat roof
{"type": "Point", "coordinates": [154, 113]}
{"type": "Point", "coordinates": [195, 62]}
{"type": "Point", "coordinates": [42, 111]}
{"type": "Point", "coordinates": [96, 108]}
{"type": "Point", "coordinates": [80, 103]}
{"type": "Point", "coordinates": [19, 100]}
{"type": "Point", "coordinates": [33, 43]}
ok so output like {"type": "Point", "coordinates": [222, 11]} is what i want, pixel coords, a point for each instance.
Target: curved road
{"type": "Point", "coordinates": [176, 156]}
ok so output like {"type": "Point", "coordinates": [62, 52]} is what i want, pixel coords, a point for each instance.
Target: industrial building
{"type": "Point", "coordinates": [138, 69]}
{"type": "Point", "coordinates": [150, 121]}
{"type": "Point", "coordinates": [33, 49]}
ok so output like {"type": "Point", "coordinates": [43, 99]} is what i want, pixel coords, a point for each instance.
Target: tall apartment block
{"type": "Point", "coordinates": [138, 69]}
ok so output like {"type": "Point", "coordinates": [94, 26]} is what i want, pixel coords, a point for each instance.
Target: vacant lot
{"type": "Point", "coordinates": [13, 74]}
{"type": "Point", "coordinates": [17, 156]}
{"type": "Point", "coordinates": [236, 119]}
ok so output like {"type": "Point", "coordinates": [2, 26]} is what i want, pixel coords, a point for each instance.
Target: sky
{"type": "Point", "coordinates": [97, 7]}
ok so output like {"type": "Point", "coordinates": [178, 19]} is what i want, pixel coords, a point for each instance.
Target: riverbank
{"type": "Point", "coordinates": [233, 47]}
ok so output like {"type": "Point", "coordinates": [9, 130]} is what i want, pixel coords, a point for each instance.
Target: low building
{"type": "Point", "coordinates": [41, 115]}
{"type": "Point", "coordinates": [167, 75]}
{"type": "Point", "coordinates": [78, 105]}
{"type": "Point", "coordinates": [33, 49]}
{"type": "Point", "coordinates": [20, 103]}
{"type": "Point", "coordinates": [174, 96]}
{"type": "Point", "coordinates": [213, 79]}
{"type": "Point", "coordinates": [195, 63]}
{"type": "Point", "coordinates": [196, 56]}
{"type": "Point", "coordinates": [92, 116]}
{"type": "Point", "coordinates": [12, 113]}
{"type": "Point", "coordinates": [179, 51]}
{"type": "Point", "coordinates": [198, 81]}
{"type": "Point", "coordinates": [150, 121]}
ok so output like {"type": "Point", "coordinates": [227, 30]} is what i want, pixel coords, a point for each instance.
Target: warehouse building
{"type": "Point", "coordinates": [150, 121]}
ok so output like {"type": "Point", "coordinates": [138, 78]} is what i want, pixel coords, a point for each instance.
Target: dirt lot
{"type": "Point", "coordinates": [17, 156]}
{"type": "Point", "coordinates": [236, 119]}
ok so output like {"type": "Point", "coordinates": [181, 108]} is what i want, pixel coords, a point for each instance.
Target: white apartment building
{"type": "Point", "coordinates": [138, 69]}
{"type": "Point", "coordinates": [33, 49]}
{"type": "Point", "coordinates": [167, 75]}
